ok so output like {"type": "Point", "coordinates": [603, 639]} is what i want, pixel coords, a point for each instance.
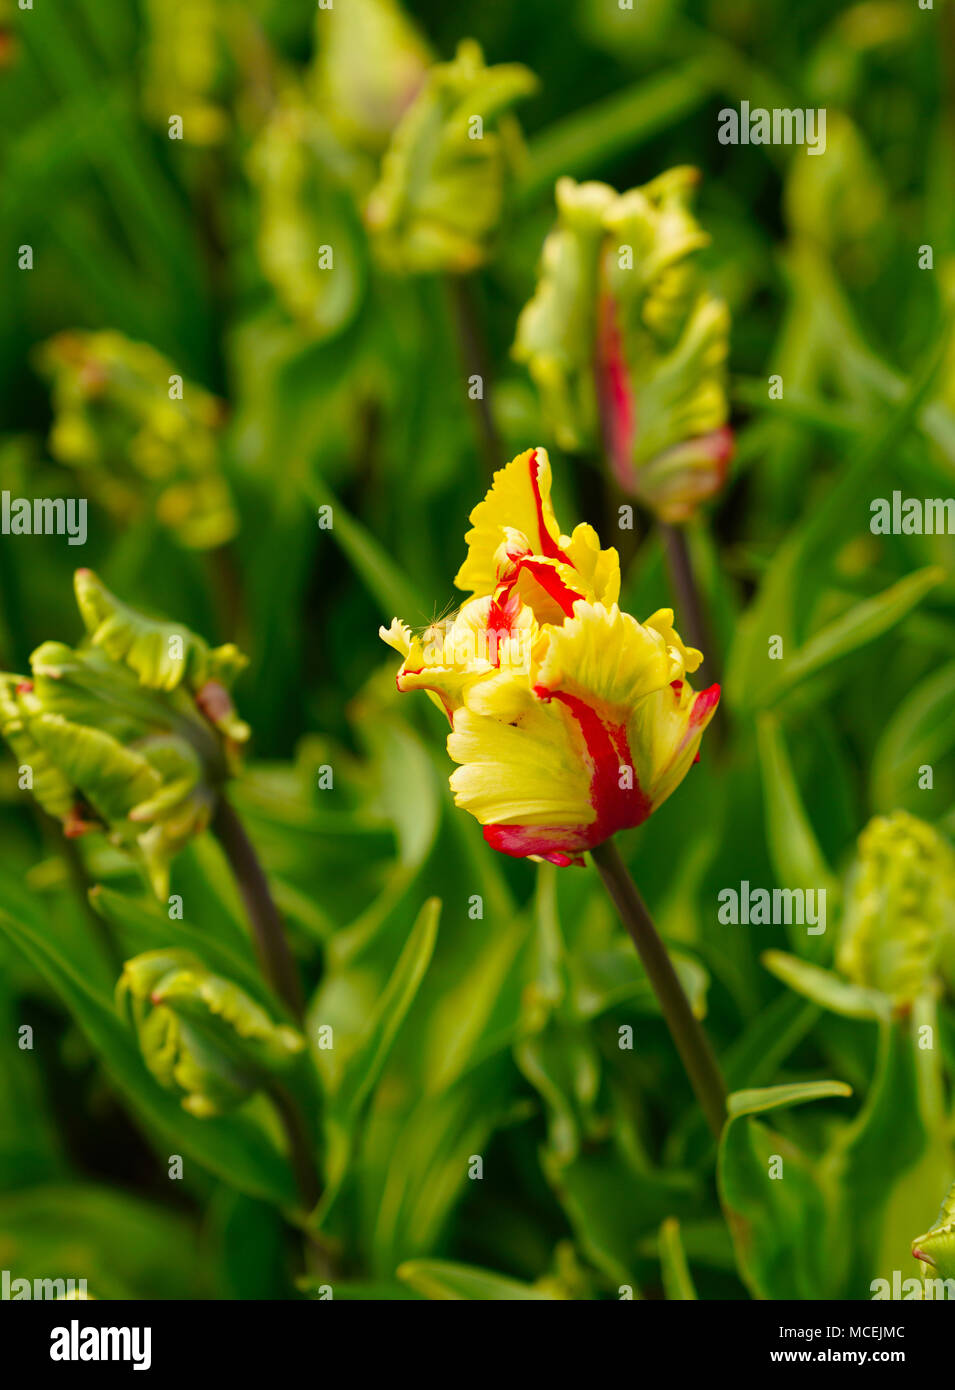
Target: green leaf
{"type": "Point", "coordinates": [29, 1148]}
{"type": "Point", "coordinates": [861, 624]}
{"type": "Point", "coordinates": [122, 1246]}
{"type": "Point", "coordinates": [921, 732]}
{"type": "Point", "coordinates": [367, 1063]}
{"type": "Point", "coordinates": [763, 1098]}
{"type": "Point", "coordinates": [233, 1148]}
{"type": "Point", "coordinates": [796, 855]}
{"type": "Point", "coordinates": [877, 1160]}
{"type": "Point", "coordinates": [826, 988]}
{"type": "Point", "coordinates": [580, 143]}
{"type": "Point", "coordinates": [351, 1080]}
{"type": "Point", "coordinates": [776, 1200]}
{"type": "Point", "coordinates": [140, 925]}
{"type": "Point", "coordinates": [677, 1280]}
{"type": "Point", "coordinates": [793, 578]}
{"type": "Point", "coordinates": [386, 583]}
{"type": "Point", "coordinates": [445, 1280]}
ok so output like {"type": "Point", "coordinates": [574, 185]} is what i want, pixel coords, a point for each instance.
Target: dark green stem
{"type": "Point", "coordinates": [685, 1029]}
{"type": "Point", "coordinates": [691, 618]}
{"type": "Point", "coordinates": [476, 362]}
{"type": "Point", "coordinates": [281, 972]}
{"type": "Point", "coordinates": [301, 1148]}
{"type": "Point", "coordinates": [267, 929]}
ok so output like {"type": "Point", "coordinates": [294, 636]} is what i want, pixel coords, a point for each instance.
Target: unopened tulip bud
{"type": "Point", "coordinates": [201, 1035]}
{"type": "Point", "coordinates": [899, 914]}
{"type": "Point", "coordinates": [626, 345]}
{"type": "Point", "coordinates": [132, 733]}
{"type": "Point", "coordinates": [444, 176]}
{"type": "Point", "coordinates": [146, 440]}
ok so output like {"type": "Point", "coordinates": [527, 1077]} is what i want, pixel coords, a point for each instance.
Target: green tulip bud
{"type": "Point", "coordinates": [132, 733]}
{"type": "Point", "coordinates": [625, 344]}
{"type": "Point", "coordinates": [370, 64]}
{"type": "Point", "coordinates": [146, 441]}
{"type": "Point", "coordinates": [900, 908]}
{"type": "Point", "coordinates": [202, 1035]}
{"type": "Point", "coordinates": [937, 1246]}
{"type": "Point", "coordinates": [444, 176]}
{"type": "Point", "coordinates": [310, 239]}
{"type": "Point", "coordinates": [185, 59]}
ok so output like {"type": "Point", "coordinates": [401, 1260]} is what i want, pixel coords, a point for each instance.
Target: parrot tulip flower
{"type": "Point", "coordinates": [627, 346]}
{"type": "Point", "coordinates": [569, 719]}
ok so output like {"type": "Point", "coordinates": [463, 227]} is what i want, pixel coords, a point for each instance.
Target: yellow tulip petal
{"type": "Point", "coordinates": [519, 498]}
{"type": "Point", "coordinates": [525, 776]}
{"type": "Point", "coordinates": [664, 733]}
{"type": "Point", "coordinates": [605, 657]}
{"type": "Point", "coordinates": [599, 569]}
{"type": "Point", "coordinates": [685, 659]}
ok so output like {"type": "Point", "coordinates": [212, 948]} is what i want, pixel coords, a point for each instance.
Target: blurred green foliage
{"type": "Point", "coordinates": [458, 1035]}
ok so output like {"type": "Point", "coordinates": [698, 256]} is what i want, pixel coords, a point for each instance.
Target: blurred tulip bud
{"type": "Point", "coordinates": [444, 176]}
{"type": "Point", "coordinates": [625, 344]}
{"type": "Point", "coordinates": [840, 203]}
{"type": "Point", "coordinates": [937, 1246]}
{"type": "Point", "coordinates": [370, 64]}
{"type": "Point", "coordinates": [202, 1035]}
{"type": "Point", "coordinates": [147, 442]}
{"type": "Point", "coordinates": [185, 61]}
{"type": "Point", "coordinates": [133, 733]}
{"type": "Point", "coordinates": [900, 908]}
{"type": "Point", "coordinates": [310, 241]}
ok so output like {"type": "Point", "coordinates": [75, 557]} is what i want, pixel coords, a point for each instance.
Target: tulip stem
{"type": "Point", "coordinates": [691, 613]}
{"type": "Point", "coordinates": [685, 1028]}
{"type": "Point", "coordinates": [280, 970]}
{"type": "Point", "coordinates": [267, 929]}
{"type": "Point", "coordinates": [301, 1149]}
{"type": "Point", "coordinates": [474, 358]}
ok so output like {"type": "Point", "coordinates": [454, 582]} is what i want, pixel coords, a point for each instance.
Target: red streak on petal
{"type": "Point", "coordinates": [617, 411]}
{"type": "Point", "coordinates": [502, 615]}
{"type": "Point", "coordinates": [74, 825]}
{"type": "Point", "coordinates": [552, 584]}
{"type": "Point", "coordinates": [548, 546]}
{"type": "Point", "coordinates": [705, 701]}
{"type": "Point", "coordinates": [24, 687]}
{"type": "Point", "coordinates": [519, 841]}
{"type": "Point", "coordinates": [720, 445]}
{"type": "Point", "coordinates": [616, 807]}
{"type": "Point", "coordinates": [214, 701]}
